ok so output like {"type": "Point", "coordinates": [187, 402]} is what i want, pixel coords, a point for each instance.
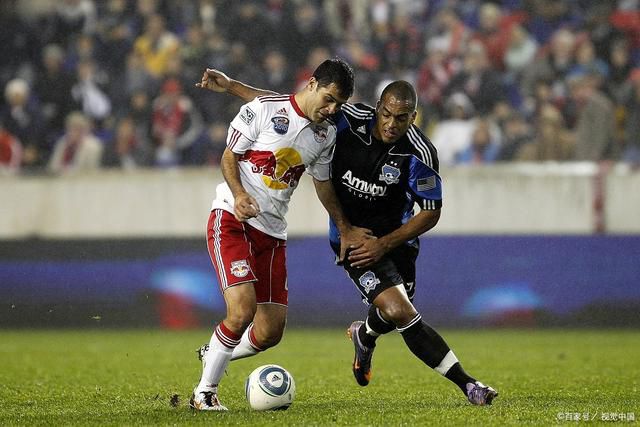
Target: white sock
{"type": "Point", "coordinates": [217, 358]}
{"type": "Point", "coordinates": [246, 348]}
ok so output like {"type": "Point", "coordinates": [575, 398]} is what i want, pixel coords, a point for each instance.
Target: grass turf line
{"type": "Point", "coordinates": [97, 377]}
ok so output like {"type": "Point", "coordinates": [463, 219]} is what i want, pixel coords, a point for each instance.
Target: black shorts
{"type": "Point", "coordinates": [398, 267]}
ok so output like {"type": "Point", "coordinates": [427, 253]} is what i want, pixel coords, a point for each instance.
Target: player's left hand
{"type": "Point", "coordinates": [368, 253]}
{"type": "Point", "coordinates": [353, 237]}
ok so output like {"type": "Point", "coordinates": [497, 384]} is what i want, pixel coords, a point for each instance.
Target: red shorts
{"type": "Point", "coordinates": [241, 254]}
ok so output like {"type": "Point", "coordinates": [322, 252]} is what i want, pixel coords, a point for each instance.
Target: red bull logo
{"type": "Point", "coordinates": [279, 170]}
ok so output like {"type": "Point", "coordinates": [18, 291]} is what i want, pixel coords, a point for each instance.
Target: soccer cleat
{"type": "Point", "coordinates": [206, 400]}
{"type": "Point", "coordinates": [480, 394]}
{"type": "Point", "coordinates": [362, 360]}
{"type": "Point", "coordinates": [201, 352]}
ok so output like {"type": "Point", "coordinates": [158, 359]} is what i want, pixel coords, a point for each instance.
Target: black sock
{"type": "Point", "coordinates": [459, 376]}
{"type": "Point", "coordinates": [431, 348]}
{"type": "Point", "coordinates": [377, 325]}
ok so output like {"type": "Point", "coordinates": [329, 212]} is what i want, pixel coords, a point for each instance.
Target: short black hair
{"type": "Point", "coordinates": [338, 72]}
{"type": "Point", "coordinates": [403, 90]}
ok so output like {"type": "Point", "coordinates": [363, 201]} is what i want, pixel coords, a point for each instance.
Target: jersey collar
{"type": "Point", "coordinates": [296, 107]}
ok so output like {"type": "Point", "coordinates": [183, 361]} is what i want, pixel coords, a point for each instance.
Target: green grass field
{"type": "Point", "coordinates": [129, 377]}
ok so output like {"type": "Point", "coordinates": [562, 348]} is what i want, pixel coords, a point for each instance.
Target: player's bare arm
{"type": "Point", "coordinates": [371, 251]}
{"type": "Point", "coordinates": [350, 236]}
{"type": "Point", "coordinates": [245, 205]}
{"type": "Point", "coordinates": [217, 81]}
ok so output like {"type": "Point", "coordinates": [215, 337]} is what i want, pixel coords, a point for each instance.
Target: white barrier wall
{"type": "Point", "coordinates": [512, 199]}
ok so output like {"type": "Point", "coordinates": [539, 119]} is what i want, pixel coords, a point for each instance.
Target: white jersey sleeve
{"type": "Point", "coordinates": [245, 127]}
{"type": "Point", "coordinates": [321, 168]}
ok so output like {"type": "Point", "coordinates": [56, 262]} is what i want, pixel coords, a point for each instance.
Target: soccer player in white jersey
{"type": "Point", "coordinates": [382, 166]}
{"type": "Point", "coordinates": [270, 143]}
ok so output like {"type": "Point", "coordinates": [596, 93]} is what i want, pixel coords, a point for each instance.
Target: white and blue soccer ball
{"type": "Point", "coordinates": [270, 387]}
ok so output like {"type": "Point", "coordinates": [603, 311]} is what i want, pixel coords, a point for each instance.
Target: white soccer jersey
{"type": "Point", "coordinates": [277, 143]}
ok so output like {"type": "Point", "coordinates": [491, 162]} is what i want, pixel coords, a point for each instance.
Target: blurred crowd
{"type": "Point", "coordinates": [91, 84]}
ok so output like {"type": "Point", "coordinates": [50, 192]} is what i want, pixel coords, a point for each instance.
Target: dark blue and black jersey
{"type": "Point", "coordinates": [378, 184]}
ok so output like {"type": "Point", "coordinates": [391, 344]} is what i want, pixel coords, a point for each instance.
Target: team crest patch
{"type": "Point", "coordinates": [280, 124]}
{"type": "Point", "coordinates": [247, 115]}
{"type": "Point", "coordinates": [390, 174]}
{"type": "Point", "coordinates": [240, 268]}
{"type": "Point", "coordinates": [369, 281]}
{"type": "Point", "coordinates": [319, 134]}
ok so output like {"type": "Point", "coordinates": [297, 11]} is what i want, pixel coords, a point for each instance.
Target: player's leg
{"type": "Point", "coordinates": [232, 259]}
{"type": "Point", "coordinates": [376, 325]}
{"type": "Point", "coordinates": [428, 345]}
{"type": "Point", "coordinates": [272, 297]}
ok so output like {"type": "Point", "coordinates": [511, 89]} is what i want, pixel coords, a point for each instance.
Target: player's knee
{"type": "Point", "coordinates": [271, 340]}
{"type": "Point", "coordinates": [399, 312]}
{"type": "Point", "coordinates": [239, 318]}
{"type": "Point", "coordinates": [269, 337]}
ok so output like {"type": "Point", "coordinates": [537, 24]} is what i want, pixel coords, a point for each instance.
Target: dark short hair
{"type": "Point", "coordinates": [338, 72]}
{"type": "Point", "coordinates": [401, 89]}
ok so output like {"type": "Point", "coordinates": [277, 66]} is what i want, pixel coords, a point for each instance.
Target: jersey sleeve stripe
{"type": "Point", "coordinates": [357, 112]}
{"type": "Point", "coordinates": [273, 98]}
{"type": "Point", "coordinates": [421, 145]}
{"type": "Point", "coordinates": [233, 139]}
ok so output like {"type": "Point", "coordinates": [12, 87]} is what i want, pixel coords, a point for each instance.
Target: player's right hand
{"type": "Point", "coordinates": [214, 80]}
{"type": "Point", "coordinates": [245, 207]}
{"type": "Point", "coordinates": [352, 238]}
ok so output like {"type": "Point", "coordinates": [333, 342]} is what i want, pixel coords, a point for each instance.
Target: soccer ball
{"type": "Point", "coordinates": [270, 387]}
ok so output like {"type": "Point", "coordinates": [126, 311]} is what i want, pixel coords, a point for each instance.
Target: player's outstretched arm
{"type": "Point", "coordinates": [350, 236]}
{"type": "Point", "coordinates": [217, 81]}
{"type": "Point", "coordinates": [372, 251]}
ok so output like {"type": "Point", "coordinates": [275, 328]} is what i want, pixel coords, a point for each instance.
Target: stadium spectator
{"type": "Point", "coordinates": [346, 18]}
{"type": "Point", "coordinates": [588, 63]}
{"type": "Point", "coordinates": [552, 140]}
{"type": "Point", "coordinates": [595, 121]}
{"type": "Point", "coordinates": [449, 32]}
{"type": "Point", "coordinates": [194, 52]}
{"type": "Point", "coordinates": [128, 150]}
{"type": "Point", "coordinates": [477, 80]}
{"type": "Point", "coordinates": [452, 135]}
{"type": "Point", "coordinates": [175, 124]}
{"type": "Point", "coordinates": [519, 53]}
{"type": "Point", "coordinates": [632, 120]}
{"type": "Point", "coordinates": [494, 32]}
{"type": "Point", "coordinates": [484, 146]}
{"type": "Point", "coordinates": [516, 134]}
{"type": "Point", "coordinates": [620, 66]}
{"type": "Point", "coordinates": [306, 32]}
{"type": "Point", "coordinates": [89, 94]}
{"type": "Point", "coordinates": [156, 45]}
{"type": "Point", "coordinates": [434, 76]}
{"type": "Point", "coordinates": [554, 63]}
{"type": "Point", "coordinates": [549, 16]}
{"type": "Point", "coordinates": [78, 150]}
{"type": "Point", "coordinates": [114, 32]}
{"type": "Point", "coordinates": [403, 45]}
{"type": "Point", "coordinates": [22, 118]}
{"type": "Point", "coordinates": [250, 27]}
{"type": "Point", "coordinates": [276, 71]}
{"type": "Point", "coordinates": [53, 89]}
{"type": "Point", "coordinates": [71, 18]}
{"type": "Point", "coordinates": [10, 153]}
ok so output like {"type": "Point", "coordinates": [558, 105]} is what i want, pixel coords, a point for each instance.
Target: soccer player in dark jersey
{"type": "Point", "coordinates": [382, 166]}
